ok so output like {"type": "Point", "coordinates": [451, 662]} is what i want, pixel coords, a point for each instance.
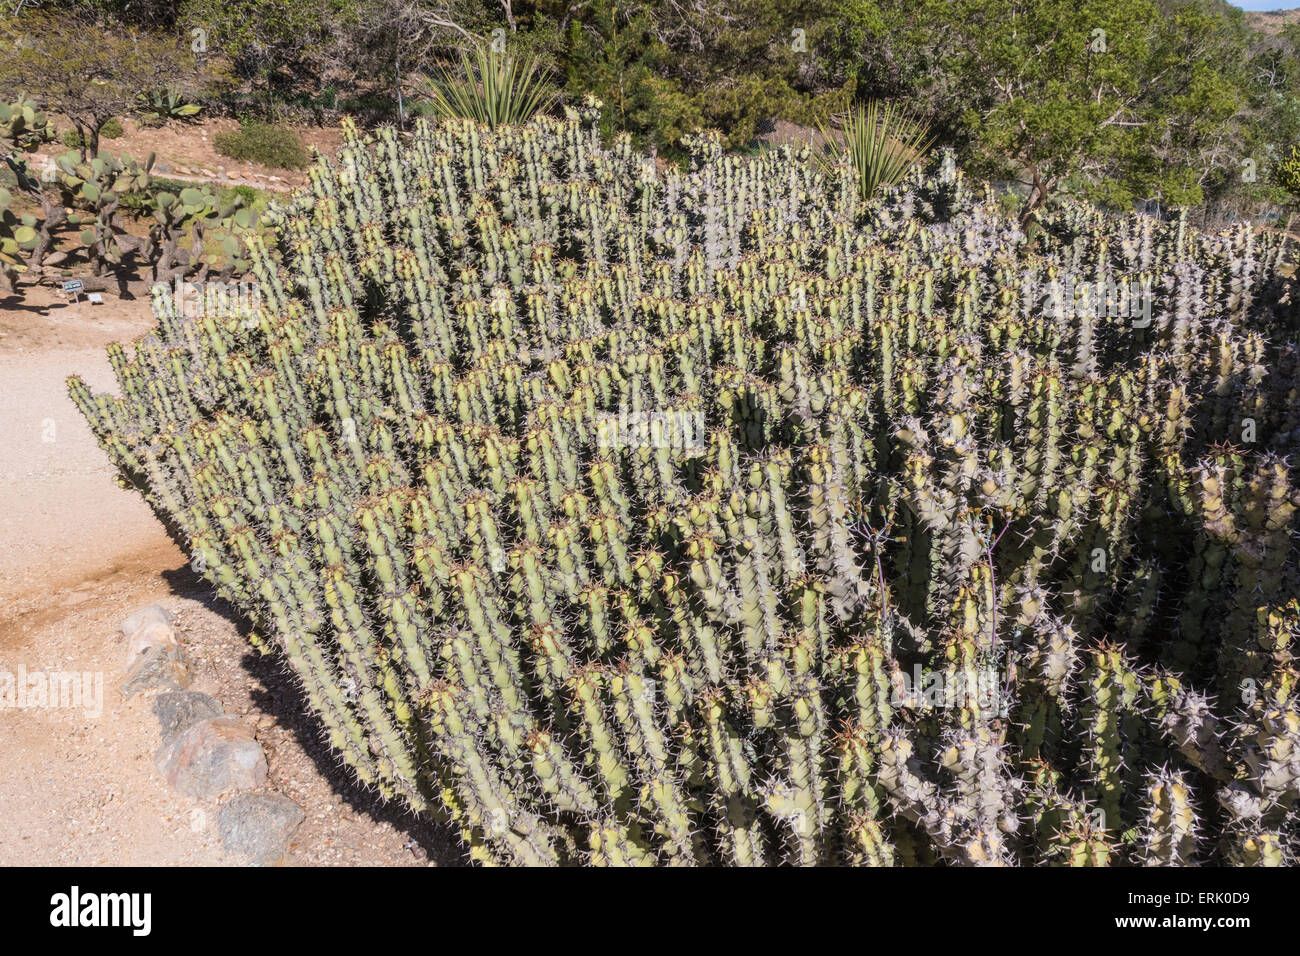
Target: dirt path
{"type": "Point", "coordinates": [63, 521]}
{"type": "Point", "coordinates": [77, 554]}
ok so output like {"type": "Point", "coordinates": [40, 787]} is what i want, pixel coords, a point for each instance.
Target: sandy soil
{"type": "Point", "coordinates": [77, 554]}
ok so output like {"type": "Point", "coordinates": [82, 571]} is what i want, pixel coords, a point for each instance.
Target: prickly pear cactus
{"type": "Point", "coordinates": [182, 218]}
{"type": "Point", "coordinates": [627, 516]}
{"type": "Point", "coordinates": [95, 188]}
{"type": "Point", "coordinates": [23, 128]}
{"type": "Point", "coordinates": [17, 236]}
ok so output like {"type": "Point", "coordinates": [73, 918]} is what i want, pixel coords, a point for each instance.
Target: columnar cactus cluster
{"type": "Point", "coordinates": [621, 515]}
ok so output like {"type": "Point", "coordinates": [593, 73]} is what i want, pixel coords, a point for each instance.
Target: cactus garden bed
{"type": "Point", "coordinates": [624, 515]}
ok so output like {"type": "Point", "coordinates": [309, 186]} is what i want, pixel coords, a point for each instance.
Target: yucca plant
{"type": "Point", "coordinates": [882, 142]}
{"type": "Point", "coordinates": [497, 89]}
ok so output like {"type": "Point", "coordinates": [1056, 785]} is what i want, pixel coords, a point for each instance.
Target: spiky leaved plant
{"type": "Point", "coordinates": [490, 88]}
{"type": "Point", "coordinates": [156, 107]}
{"type": "Point", "coordinates": [628, 516]}
{"type": "Point", "coordinates": [881, 143]}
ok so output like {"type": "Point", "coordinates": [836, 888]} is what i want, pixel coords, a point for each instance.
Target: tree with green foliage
{"type": "Point", "coordinates": [88, 69]}
{"type": "Point", "coordinates": [1273, 87]}
{"type": "Point", "coordinates": [275, 45]}
{"type": "Point", "coordinates": [1122, 99]}
{"type": "Point", "coordinates": [396, 40]}
{"type": "Point", "coordinates": [665, 68]}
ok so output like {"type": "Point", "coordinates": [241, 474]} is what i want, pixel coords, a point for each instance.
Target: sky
{"type": "Point", "coordinates": [1265, 4]}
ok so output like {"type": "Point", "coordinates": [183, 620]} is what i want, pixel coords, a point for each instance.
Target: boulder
{"type": "Point", "coordinates": [258, 826]}
{"type": "Point", "coordinates": [147, 628]}
{"type": "Point", "coordinates": [212, 757]}
{"type": "Point", "coordinates": [178, 711]}
{"type": "Point", "coordinates": [156, 668]}
{"type": "Point", "coordinates": [150, 614]}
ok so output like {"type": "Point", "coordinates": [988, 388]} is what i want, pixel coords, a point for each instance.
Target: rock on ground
{"type": "Point", "coordinates": [213, 757]}
{"type": "Point", "coordinates": [148, 615]}
{"type": "Point", "coordinates": [259, 825]}
{"type": "Point", "coordinates": [147, 628]}
{"type": "Point", "coordinates": [178, 711]}
{"type": "Point", "coordinates": [157, 668]}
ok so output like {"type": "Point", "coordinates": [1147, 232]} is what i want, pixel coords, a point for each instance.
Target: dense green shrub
{"type": "Point", "coordinates": [249, 194]}
{"type": "Point", "coordinates": [1287, 173]}
{"type": "Point", "coordinates": [625, 515]}
{"type": "Point", "coordinates": [264, 143]}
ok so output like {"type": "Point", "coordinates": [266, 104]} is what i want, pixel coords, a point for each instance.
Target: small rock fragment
{"type": "Point", "coordinates": [258, 826]}
{"type": "Point", "coordinates": [149, 614]}
{"type": "Point", "coordinates": [178, 711]}
{"type": "Point", "coordinates": [157, 668]}
{"type": "Point", "coordinates": [213, 757]}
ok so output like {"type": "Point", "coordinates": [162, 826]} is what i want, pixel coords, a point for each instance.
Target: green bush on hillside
{"type": "Point", "coordinates": [263, 143]}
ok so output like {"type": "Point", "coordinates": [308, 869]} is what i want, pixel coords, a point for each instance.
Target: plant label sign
{"type": "Point", "coordinates": [73, 285]}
